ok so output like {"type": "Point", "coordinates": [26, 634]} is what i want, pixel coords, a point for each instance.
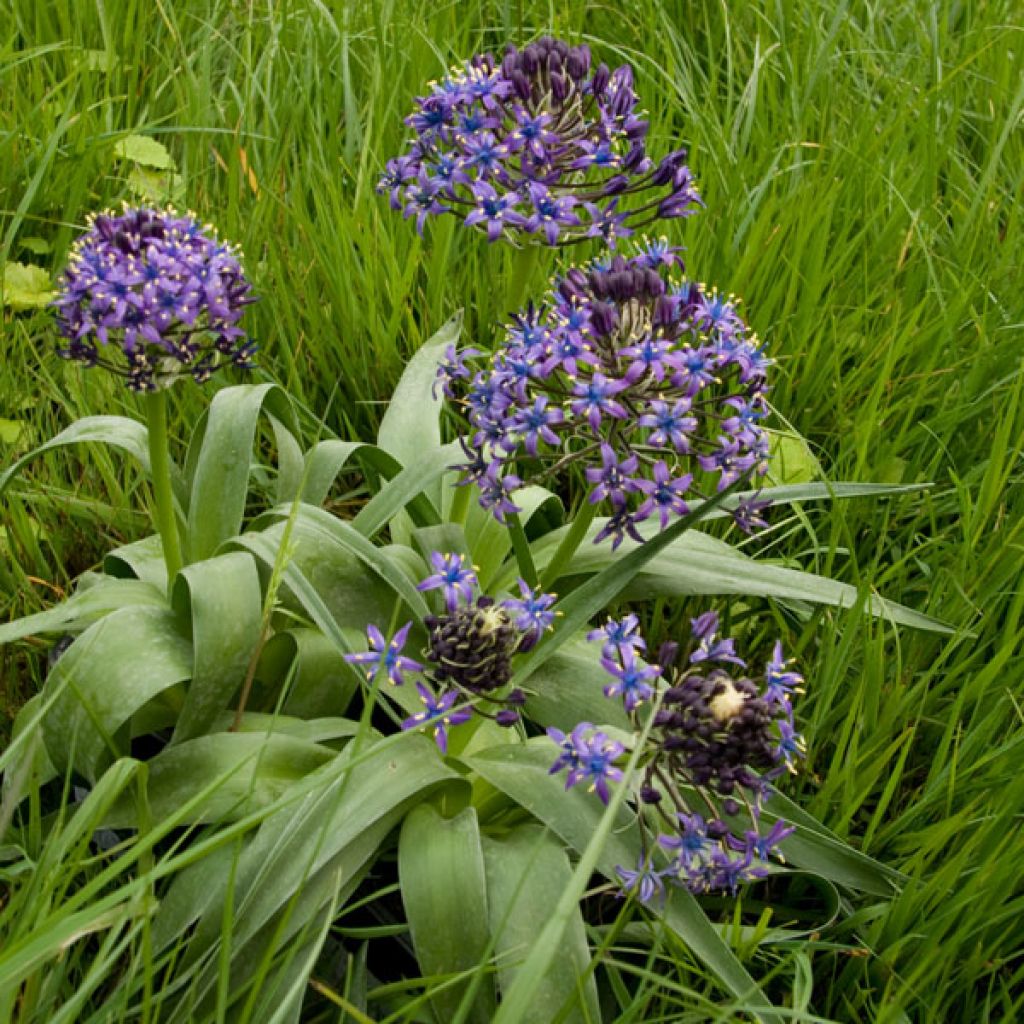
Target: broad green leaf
{"type": "Point", "coordinates": [444, 892]}
{"type": "Point", "coordinates": [403, 488]}
{"type": "Point", "coordinates": [568, 690]}
{"type": "Point", "coordinates": [326, 459]}
{"type": "Point", "coordinates": [527, 871]}
{"type": "Point", "coordinates": [84, 608]}
{"type": "Point", "coordinates": [116, 431]}
{"type": "Point", "coordinates": [697, 563]}
{"type": "Point", "coordinates": [222, 600]}
{"type": "Point", "coordinates": [141, 149]}
{"type": "Point", "coordinates": [220, 485]}
{"type": "Point", "coordinates": [575, 815]}
{"type": "Point", "coordinates": [309, 730]}
{"type": "Point", "coordinates": [322, 684]}
{"type": "Point", "coordinates": [335, 558]}
{"type": "Point", "coordinates": [816, 849]}
{"type": "Point", "coordinates": [108, 674]}
{"type": "Point", "coordinates": [291, 463]}
{"type": "Point", "coordinates": [411, 424]}
{"type": "Point", "coordinates": [291, 867]}
{"type": "Point", "coordinates": [602, 588]}
{"type": "Point", "coordinates": [446, 537]}
{"type": "Point", "coordinates": [370, 601]}
{"type": "Point", "coordinates": [489, 540]}
{"type": "Point", "coordinates": [255, 768]}
{"type": "Point", "coordinates": [26, 286]}
{"type": "Point", "coordinates": [142, 559]}
{"type": "Point", "coordinates": [791, 494]}
{"type": "Point", "coordinates": [282, 994]}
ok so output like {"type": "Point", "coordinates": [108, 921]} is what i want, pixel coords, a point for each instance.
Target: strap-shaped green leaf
{"type": "Point", "coordinates": [527, 871]}
{"type": "Point", "coordinates": [444, 891]}
{"type": "Point", "coordinates": [521, 772]}
{"type": "Point", "coordinates": [290, 869]}
{"type": "Point", "coordinates": [322, 684]}
{"type": "Point", "coordinates": [411, 424]}
{"type": "Point", "coordinates": [116, 667]}
{"type": "Point", "coordinates": [405, 487]}
{"type": "Point", "coordinates": [116, 431]}
{"type": "Point", "coordinates": [220, 484]}
{"type": "Point", "coordinates": [823, 490]}
{"type": "Point", "coordinates": [601, 589]}
{"type": "Point", "coordinates": [221, 598]}
{"type": "Point", "coordinates": [143, 559]}
{"type": "Point", "coordinates": [489, 540]}
{"type": "Point", "coordinates": [323, 616]}
{"type": "Point", "coordinates": [290, 461]}
{"type": "Point", "coordinates": [697, 563]}
{"type": "Point", "coordinates": [568, 690]}
{"type": "Point", "coordinates": [255, 768]}
{"type": "Point", "coordinates": [822, 852]}
{"type": "Point", "coordinates": [84, 608]}
{"type": "Point", "coordinates": [326, 459]}
{"type": "Point", "coordinates": [321, 540]}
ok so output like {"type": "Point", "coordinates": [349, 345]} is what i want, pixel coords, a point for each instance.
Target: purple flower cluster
{"type": "Point", "coordinates": [716, 742]}
{"type": "Point", "coordinates": [470, 649]}
{"type": "Point", "coordinates": [539, 144]}
{"type": "Point", "coordinates": [152, 295]}
{"type": "Point", "coordinates": [654, 382]}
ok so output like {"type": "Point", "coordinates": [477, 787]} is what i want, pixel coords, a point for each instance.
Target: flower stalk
{"type": "Point", "coordinates": [569, 544]}
{"type": "Point", "coordinates": [164, 518]}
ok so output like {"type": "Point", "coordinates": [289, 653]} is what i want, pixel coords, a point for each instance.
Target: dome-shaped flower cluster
{"type": "Point", "coordinates": [540, 144]}
{"type": "Point", "coordinates": [470, 648]}
{"type": "Point", "coordinates": [717, 741]}
{"type": "Point", "coordinates": [153, 295]}
{"type": "Point", "coordinates": [653, 381]}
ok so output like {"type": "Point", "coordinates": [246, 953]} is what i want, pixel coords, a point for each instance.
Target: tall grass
{"type": "Point", "coordinates": [862, 165]}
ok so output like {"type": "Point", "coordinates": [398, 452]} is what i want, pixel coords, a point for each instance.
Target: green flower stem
{"type": "Point", "coordinates": [160, 471]}
{"type": "Point", "coordinates": [460, 505]}
{"type": "Point", "coordinates": [524, 263]}
{"type": "Point", "coordinates": [521, 547]}
{"type": "Point", "coordinates": [569, 544]}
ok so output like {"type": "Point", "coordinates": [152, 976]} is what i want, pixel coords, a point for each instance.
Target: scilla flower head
{"type": "Point", "coordinates": [651, 381]}
{"type": "Point", "coordinates": [471, 644]}
{"type": "Point", "coordinates": [717, 741]}
{"type": "Point", "coordinates": [540, 144]}
{"type": "Point", "coordinates": [153, 295]}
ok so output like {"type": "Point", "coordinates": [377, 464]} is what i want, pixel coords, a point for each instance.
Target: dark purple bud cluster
{"type": "Point", "coordinates": [152, 295]}
{"type": "Point", "coordinates": [654, 382]}
{"type": "Point", "coordinates": [470, 649]}
{"type": "Point", "coordinates": [472, 646]}
{"type": "Point", "coordinates": [539, 143]}
{"type": "Point", "coordinates": [716, 742]}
